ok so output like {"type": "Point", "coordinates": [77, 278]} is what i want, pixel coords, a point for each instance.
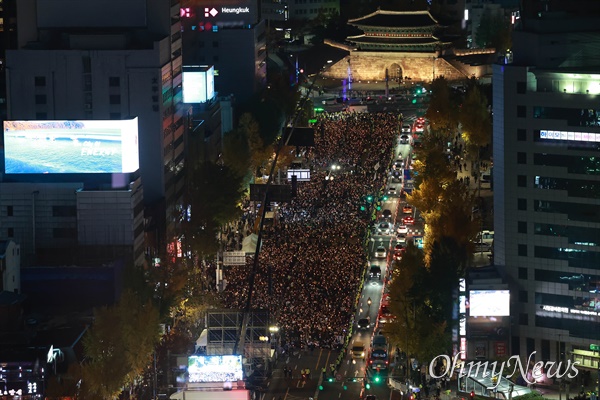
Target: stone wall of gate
{"type": "Point", "coordinates": [371, 66]}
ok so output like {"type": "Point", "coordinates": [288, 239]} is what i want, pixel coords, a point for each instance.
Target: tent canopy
{"type": "Point", "coordinates": [249, 243]}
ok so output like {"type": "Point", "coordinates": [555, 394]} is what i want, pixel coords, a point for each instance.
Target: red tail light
{"type": "Point", "coordinates": [371, 362]}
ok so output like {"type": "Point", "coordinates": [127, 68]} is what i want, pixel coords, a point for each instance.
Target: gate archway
{"type": "Point", "coordinates": [395, 73]}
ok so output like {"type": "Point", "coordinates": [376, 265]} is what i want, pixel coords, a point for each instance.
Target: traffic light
{"type": "Point", "coordinates": [378, 208]}
{"type": "Point", "coordinates": [345, 387]}
{"type": "Point", "coordinates": [330, 380]}
{"type": "Point", "coordinates": [384, 198]}
{"type": "Point", "coordinates": [321, 387]}
{"type": "Point", "coordinates": [369, 198]}
{"type": "Point", "coordinates": [368, 386]}
{"type": "Point", "coordinates": [363, 208]}
{"type": "Point", "coordinates": [377, 379]}
{"type": "Point", "coordinates": [414, 101]}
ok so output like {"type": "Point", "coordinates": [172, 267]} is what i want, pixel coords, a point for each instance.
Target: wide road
{"type": "Point", "coordinates": [351, 380]}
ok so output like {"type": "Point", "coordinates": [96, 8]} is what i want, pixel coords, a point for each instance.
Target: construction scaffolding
{"type": "Point", "coordinates": [223, 328]}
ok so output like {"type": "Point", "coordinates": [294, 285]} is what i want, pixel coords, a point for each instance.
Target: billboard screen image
{"type": "Point", "coordinates": [198, 84]}
{"type": "Point", "coordinates": [58, 147]}
{"type": "Point", "coordinates": [215, 368]}
{"type": "Point", "coordinates": [489, 303]}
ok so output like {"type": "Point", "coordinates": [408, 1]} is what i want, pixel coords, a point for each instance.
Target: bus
{"type": "Point", "coordinates": [379, 359]}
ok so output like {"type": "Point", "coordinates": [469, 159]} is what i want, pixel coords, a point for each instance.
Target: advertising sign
{"type": "Point", "coordinates": [489, 303]}
{"type": "Point", "coordinates": [215, 369]}
{"type": "Point", "coordinates": [198, 83]}
{"type": "Point", "coordinates": [58, 147]}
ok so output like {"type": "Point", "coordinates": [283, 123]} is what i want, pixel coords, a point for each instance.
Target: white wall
{"type": "Point", "coordinates": [11, 276]}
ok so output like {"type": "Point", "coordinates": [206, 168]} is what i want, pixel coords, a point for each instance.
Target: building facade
{"type": "Point", "coordinates": [547, 186]}
{"type": "Point", "coordinates": [233, 39]}
{"type": "Point", "coordinates": [99, 61]}
{"type": "Point", "coordinates": [10, 266]}
{"type": "Point", "coordinates": [67, 224]}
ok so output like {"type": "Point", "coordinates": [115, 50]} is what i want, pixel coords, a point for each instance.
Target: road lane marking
{"type": "Point", "coordinates": [319, 360]}
{"type": "Point", "coordinates": [286, 393]}
{"type": "Point", "coordinates": [327, 361]}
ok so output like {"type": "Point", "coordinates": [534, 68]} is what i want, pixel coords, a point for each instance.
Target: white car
{"type": "Point", "coordinates": [392, 190]}
{"type": "Point", "coordinates": [380, 252]}
{"type": "Point", "coordinates": [384, 228]}
{"type": "Point", "coordinates": [402, 229]}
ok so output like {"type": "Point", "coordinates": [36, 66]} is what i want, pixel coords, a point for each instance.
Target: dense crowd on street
{"type": "Point", "coordinates": [313, 259]}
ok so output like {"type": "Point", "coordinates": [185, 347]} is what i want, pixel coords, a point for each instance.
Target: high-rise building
{"type": "Point", "coordinates": [108, 60]}
{"type": "Point", "coordinates": [546, 153]}
{"type": "Point", "coordinates": [231, 36]}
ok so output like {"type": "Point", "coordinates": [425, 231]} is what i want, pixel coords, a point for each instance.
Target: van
{"type": "Point", "coordinates": [358, 350]}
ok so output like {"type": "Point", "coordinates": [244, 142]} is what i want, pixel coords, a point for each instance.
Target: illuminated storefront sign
{"type": "Point", "coordinates": [463, 348]}
{"type": "Point", "coordinates": [571, 136]}
{"type": "Point", "coordinates": [567, 310]}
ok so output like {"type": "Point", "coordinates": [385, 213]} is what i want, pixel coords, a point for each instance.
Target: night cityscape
{"type": "Point", "coordinates": [300, 199]}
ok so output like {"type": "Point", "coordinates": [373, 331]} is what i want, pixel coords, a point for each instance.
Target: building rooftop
{"type": "Point", "coordinates": [395, 19]}
{"type": "Point", "coordinates": [392, 40]}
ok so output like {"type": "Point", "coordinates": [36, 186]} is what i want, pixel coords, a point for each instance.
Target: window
{"type": "Point", "coordinates": [64, 211]}
{"type": "Point", "coordinates": [521, 111]}
{"type": "Point", "coordinates": [40, 99]}
{"type": "Point", "coordinates": [521, 87]}
{"type": "Point", "coordinates": [115, 99]}
{"type": "Point", "coordinates": [11, 232]}
{"type": "Point", "coordinates": [523, 296]}
{"type": "Point", "coordinates": [521, 135]}
{"type": "Point", "coordinates": [521, 158]}
{"type": "Point", "coordinates": [115, 115]}
{"type": "Point", "coordinates": [545, 349]}
{"type": "Point", "coordinates": [530, 343]}
{"type": "Point", "coordinates": [523, 273]}
{"type": "Point", "coordinates": [41, 115]}
{"type": "Point", "coordinates": [521, 181]}
{"type": "Point", "coordinates": [39, 81]}
{"type": "Point", "coordinates": [523, 319]}
{"type": "Point", "coordinates": [522, 250]}
{"type": "Point", "coordinates": [522, 227]}
{"type": "Point", "coordinates": [114, 81]}
{"type": "Point", "coordinates": [215, 44]}
{"type": "Point", "coordinates": [9, 211]}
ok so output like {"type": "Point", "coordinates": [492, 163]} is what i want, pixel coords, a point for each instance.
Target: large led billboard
{"type": "Point", "coordinates": [215, 369]}
{"type": "Point", "coordinates": [489, 303]}
{"type": "Point", "coordinates": [58, 147]}
{"type": "Point", "coordinates": [198, 84]}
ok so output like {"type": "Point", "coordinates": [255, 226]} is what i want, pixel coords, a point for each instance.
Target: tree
{"type": "Point", "coordinates": [118, 346]}
{"type": "Point", "coordinates": [493, 31]}
{"type": "Point", "coordinates": [236, 153]}
{"type": "Point", "coordinates": [475, 120]}
{"type": "Point", "coordinates": [441, 112]}
{"type": "Point", "coordinates": [417, 328]}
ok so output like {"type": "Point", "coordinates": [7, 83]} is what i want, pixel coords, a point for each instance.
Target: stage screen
{"type": "Point", "coordinates": [215, 369]}
{"type": "Point", "coordinates": [198, 84]}
{"type": "Point", "coordinates": [59, 147]}
{"type": "Point", "coordinates": [489, 303]}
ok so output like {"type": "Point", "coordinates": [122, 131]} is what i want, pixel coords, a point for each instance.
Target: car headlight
{"type": "Point", "coordinates": [362, 354]}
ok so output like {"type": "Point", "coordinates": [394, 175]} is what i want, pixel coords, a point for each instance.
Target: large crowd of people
{"type": "Point", "coordinates": [313, 258]}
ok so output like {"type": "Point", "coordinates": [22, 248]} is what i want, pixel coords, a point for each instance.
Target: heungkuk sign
{"type": "Point", "coordinates": [224, 13]}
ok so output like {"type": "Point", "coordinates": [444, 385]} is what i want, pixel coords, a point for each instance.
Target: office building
{"type": "Point", "coordinates": [65, 223]}
{"type": "Point", "coordinates": [230, 36]}
{"type": "Point", "coordinates": [546, 149]}
{"type": "Point", "coordinates": [98, 60]}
